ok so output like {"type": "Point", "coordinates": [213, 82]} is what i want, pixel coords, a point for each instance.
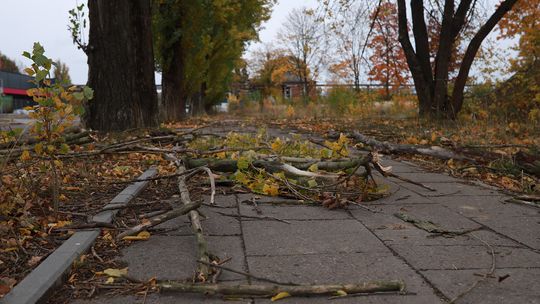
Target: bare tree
{"type": "Point", "coordinates": [347, 22]}
{"type": "Point", "coordinates": [432, 82]}
{"type": "Point", "coordinates": [303, 37]}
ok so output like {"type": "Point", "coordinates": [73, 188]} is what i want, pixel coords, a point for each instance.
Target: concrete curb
{"type": "Point", "coordinates": [36, 286]}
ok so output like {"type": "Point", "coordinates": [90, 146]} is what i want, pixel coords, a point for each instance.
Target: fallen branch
{"type": "Point", "coordinates": [160, 219]}
{"type": "Point", "coordinates": [523, 202]}
{"type": "Point", "coordinates": [249, 275]}
{"type": "Point", "coordinates": [271, 290]}
{"type": "Point", "coordinates": [203, 272]}
{"type": "Point", "coordinates": [390, 148]}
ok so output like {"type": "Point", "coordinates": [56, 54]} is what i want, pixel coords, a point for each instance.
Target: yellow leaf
{"type": "Point", "coordinates": [313, 168]}
{"type": "Point", "coordinates": [26, 155]}
{"type": "Point", "coordinates": [276, 144]}
{"type": "Point", "coordinates": [341, 293]}
{"type": "Point", "coordinates": [63, 197]}
{"type": "Point", "coordinates": [117, 273]}
{"type": "Point", "coordinates": [343, 139]}
{"type": "Point", "coordinates": [281, 295]}
{"type": "Point", "coordinates": [270, 189]}
{"type": "Point", "coordinates": [290, 111]}
{"type": "Point", "coordinates": [29, 71]}
{"type": "Point", "coordinates": [59, 224]}
{"type": "Point", "coordinates": [142, 236]}
{"type": "Point", "coordinates": [38, 148]}
{"type": "Point", "coordinates": [450, 163]}
{"type": "Point", "coordinates": [110, 280]}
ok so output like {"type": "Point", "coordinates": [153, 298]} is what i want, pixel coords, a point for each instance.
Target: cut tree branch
{"type": "Point", "coordinates": [271, 290]}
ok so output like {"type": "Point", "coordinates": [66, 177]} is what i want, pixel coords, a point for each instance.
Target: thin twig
{"type": "Point", "coordinates": [485, 276]}
{"type": "Point", "coordinates": [246, 274]}
{"type": "Point", "coordinates": [254, 217]}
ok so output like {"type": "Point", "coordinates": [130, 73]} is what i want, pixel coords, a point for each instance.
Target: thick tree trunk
{"type": "Point", "coordinates": [442, 61]}
{"type": "Point", "coordinates": [199, 101]}
{"type": "Point", "coordinates": [432, 89]}
{"type": "Point", "coordinates": [422, 86]}
{"type": "Point", "coordinates": [174, 99]}
{"type": "Point", "coordinates": [121, 66]}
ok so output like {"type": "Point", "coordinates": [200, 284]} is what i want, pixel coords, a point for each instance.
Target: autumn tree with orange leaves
{"type": "Point", "coordinates": [388, 59]}
{"type": "Point", "coordinates": [523, 21]}
{"type": "Point", "coordinates": [520, 94]}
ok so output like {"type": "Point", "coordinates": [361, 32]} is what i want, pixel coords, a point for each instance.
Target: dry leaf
{"type": "Point", "coordinates": [117, 273]}
{"type": "Point", "coordinates": [281, 295]}
{"type": "Point", "coordinates": [142, 236]}
{"type": "Point", "coordinates": [34, 260]}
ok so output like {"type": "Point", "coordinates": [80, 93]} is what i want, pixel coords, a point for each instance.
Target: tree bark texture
{"type": "Point", "coordinates": [121, 66]}
{"type": "Point", "coordinates": [270, 290]}
{"type": "Point", "coordinates": [174, 99]}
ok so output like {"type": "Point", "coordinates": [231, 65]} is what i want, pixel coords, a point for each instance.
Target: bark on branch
{"type": "Point", "coordinates": [203, 271]}
{"type": "Point", "coordinates": [160, 219]}
{"type": "Point", "coordinates": [271, 290]}
{"type": "Point", "coordinates": [386, 147]}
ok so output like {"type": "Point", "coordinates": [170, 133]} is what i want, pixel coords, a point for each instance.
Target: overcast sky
{"type": "Point", "coordinates": [22, 22]}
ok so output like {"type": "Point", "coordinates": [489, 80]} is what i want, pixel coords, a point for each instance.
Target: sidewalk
{"type": "Point", "coordinates": [318, 245]}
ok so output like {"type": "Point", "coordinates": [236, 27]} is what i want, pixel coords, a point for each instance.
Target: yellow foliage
{"type": "Point", "coordinates": [280, 296]}
{"type": "Point", "coordinates": [25, 155]}
{"type": "Point", "coordinates": [271, 189]}
{"type": "Point", "coordinates": [142, 236]}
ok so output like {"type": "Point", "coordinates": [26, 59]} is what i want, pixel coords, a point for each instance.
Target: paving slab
{"type": "Point", "coordinates": [268, 238]}
{"type": "Point", "coordinates": [295, 212]}
{"type": "Point", "coordinates": [399, 167]}
{"type": "Point", "coordinates": [343, 268]}
{"type": "Point", "coordinates": [465, 257]}
{"type": "Point", "coordinates": [485, 206]}
{"type": "Point", "coordinates": [213, 223]}
{"type": "Point", "coordinates": [228, 201]}
{"type": "Point", "coordinates": [449, 189]}
{"type": "Point", "coordinates": [438, 214]}
{"type": "Point", "coordinates": [174, 257]}
{"type": "Point", "coordinates": [401, 196]}
{"type": "Point", "coordinates": [524, 229]}
{"type": "Point", "coordinates": [412, 236]}
{"type": "Point", "coordinates": [521, 285]}
{"type": "Point", "coordinates": [426, 177]}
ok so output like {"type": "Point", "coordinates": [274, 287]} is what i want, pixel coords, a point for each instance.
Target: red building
{"type": "Point", "coordinates": [293, 87]}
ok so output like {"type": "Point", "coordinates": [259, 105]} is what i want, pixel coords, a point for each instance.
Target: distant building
{"type": "Point", "coordinates": [293, 86]}
{"type": "Point", "coordinates": [13, 88]}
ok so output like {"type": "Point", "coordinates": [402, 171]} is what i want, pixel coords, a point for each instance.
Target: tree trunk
{"type": "Point", "coordinates": [422, 86]}
{"type": "Point", "coordinates": [121, 66]}
{"type": "Point", "coordinates": [432, 91]}
{"type": "Point", "coordinates": [470, 53]}
{"type": "Point", "coordinates": [442, 61]}
{"type": "Point", "coordinates": [198, 101]}
{"type": "Point", "coordinates": [174, 99]}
